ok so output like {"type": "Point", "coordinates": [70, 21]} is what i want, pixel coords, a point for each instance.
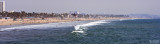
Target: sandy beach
{"type": "Point", "coordinates": [35, 21]}
{"type": "Point", "coordinates": [39, 20]}
{"type": "Point", "coordinates": [49, 20]}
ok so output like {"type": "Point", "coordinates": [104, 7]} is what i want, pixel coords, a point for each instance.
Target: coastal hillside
{"type": "Point", "coordinates": [144, 16]}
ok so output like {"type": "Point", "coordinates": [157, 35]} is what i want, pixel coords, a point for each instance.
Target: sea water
{"type": "Point", "coordinates": [123, 31]}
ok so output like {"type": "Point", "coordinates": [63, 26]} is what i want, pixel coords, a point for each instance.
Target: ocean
{"type": "Point", "coordinates": [123, 31]}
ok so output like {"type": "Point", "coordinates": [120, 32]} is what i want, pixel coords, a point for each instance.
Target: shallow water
{"type": "Point", "coordinates": [99, 32]}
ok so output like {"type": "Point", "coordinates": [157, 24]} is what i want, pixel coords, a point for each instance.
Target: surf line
{"type": "Point", "coordinates": [83, 27]}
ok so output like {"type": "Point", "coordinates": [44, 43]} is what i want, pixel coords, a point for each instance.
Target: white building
{"type": "Point", "coordinates": [74, 12]}
{"type": "Point", "coordinates": [2, 6]}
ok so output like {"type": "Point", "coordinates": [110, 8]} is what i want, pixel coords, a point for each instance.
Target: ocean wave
{"type": "Point", "coordinates": [126, 19]}
{"type": "Point", "coordinates": [27, 27]}
{"type": "Point", "coordinates": [40, 26]}
{"type": "Point", "coordinates": [82, 28]}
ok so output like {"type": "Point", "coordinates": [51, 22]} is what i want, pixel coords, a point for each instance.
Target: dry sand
{"type": "Point", "coordinates": [46, 20]}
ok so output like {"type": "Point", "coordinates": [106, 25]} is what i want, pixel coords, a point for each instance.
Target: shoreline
{"type": "Point", "coordinates": [10, 22]}
{"type": "Point", "coordinates": [54, 26]}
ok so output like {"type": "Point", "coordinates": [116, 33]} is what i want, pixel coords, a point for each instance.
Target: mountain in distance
{"type": "Point", "coordinates": [144, 16]}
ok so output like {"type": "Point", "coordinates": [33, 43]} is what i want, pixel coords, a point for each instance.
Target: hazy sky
{"type": "Point", "coordinates": [86, 6]}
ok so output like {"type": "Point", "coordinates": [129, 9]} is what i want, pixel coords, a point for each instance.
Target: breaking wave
{"type": "Point", "coordinates": [40, 26]}
{"type": "Point", "coordinates": [83, 27]}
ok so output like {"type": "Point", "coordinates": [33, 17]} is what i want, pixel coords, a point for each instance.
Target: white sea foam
{"type": "Point", "coordinates": [81, 28]}
{"type": "Point", "coordinates": [27, 27]}
{"type": "Point", "coordinates": [42, 26]}
{"type": "Point", "coordinates": [126, 19]}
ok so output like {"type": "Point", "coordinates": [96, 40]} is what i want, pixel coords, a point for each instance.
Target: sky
{"type": "Point", "coordinates": [86, 6]}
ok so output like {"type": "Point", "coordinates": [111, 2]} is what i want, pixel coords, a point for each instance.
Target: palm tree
{"type": "Point", "coordinates": [75, 15]}
{"type": "Point", "coordinates": [23, 14]}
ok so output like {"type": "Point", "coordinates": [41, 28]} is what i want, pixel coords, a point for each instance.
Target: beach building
{"type": "Point", "coordinates": [2, 6]}
{"type": "Point", "coordinates": [74, 12]}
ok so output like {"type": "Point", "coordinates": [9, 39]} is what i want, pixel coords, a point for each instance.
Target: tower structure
{"type": "Point", "coordinates": [2, 6]}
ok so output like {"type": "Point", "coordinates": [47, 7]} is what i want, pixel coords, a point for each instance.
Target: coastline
{"type": "Point", "coordinates": [10, 22]}
{"type": "Point", "coordinates": [54, 26]}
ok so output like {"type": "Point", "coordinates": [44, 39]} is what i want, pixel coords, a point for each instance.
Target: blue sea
{"type": "Point", "coordinates": [122, 31]}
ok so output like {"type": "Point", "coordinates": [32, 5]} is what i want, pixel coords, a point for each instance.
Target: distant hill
{"type": "Point", "coordinates": [144, 16]}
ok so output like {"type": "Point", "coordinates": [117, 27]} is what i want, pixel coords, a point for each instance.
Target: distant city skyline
{"type": "Point", "coordinates": [86, 6]}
